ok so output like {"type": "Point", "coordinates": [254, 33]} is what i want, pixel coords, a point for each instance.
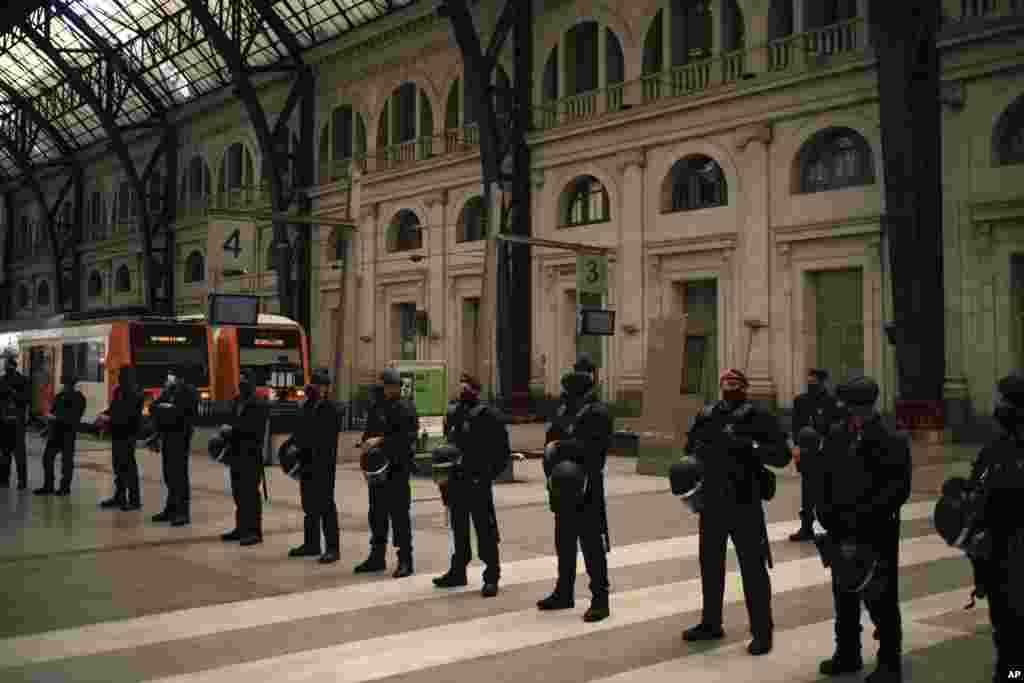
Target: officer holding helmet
{"type": "Point", "coordinates": [249, 417]}
{"type": "Point", "coordinates": [733, 440]}
{"type": "Point", "coordinates": [865, 480]}
{"type": "Point", "coordinates": [68, 407]}
{"type": "Point", "coordinates": [480, 435]}
{"type": "Point", "coordinates": [577, 447]}
{"type": "Point", "coordinates": [391, 433]}
{"type": "Point", "coordinates": [317, 440]}
{"type": "Point", "coordinates": [998, 476]}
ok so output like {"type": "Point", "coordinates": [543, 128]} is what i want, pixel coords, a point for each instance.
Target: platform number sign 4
{"type": "Point", "coordinates": [592, 274]}
{"type": "Point", "coordinates": [233, 244]}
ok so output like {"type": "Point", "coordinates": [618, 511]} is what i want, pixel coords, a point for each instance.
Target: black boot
{"type": "Point", "coordinates": [844, 661]}
{"type": "Point", "coordinates": [889, 670]}
{"type": "Point", "coordinates": [181, 516]}
{"type": "Point", "coordinates": [116, 501]}
{"type": "Point", "coordinates": [703, 632]}
{"type": "Point", "coordinates": [761, 644]}
{"type": "Point", "coordinates": [374, 563]}
{"type": "Point", "coordinates": [561, 598]}
{"type": "Point", "coordinates": [404, 568]}
{"type": "Point", "coordinates": [164, 516]}
{"type": "Point", "coordinates": [303, 551]}
{"type": "Point", "coordinates": [598, 609]}
{"type": "Point", "coordinates": [451, 579]}
{"type": "Point", "coordinates": [232, 535]}
{"type": "Point", "coordinates": [329, 557]}
{"type": "Point", "coordinates": [250, 539]}
{"type": "Point", "coordinates": [804, 534]}
{"type": "Point", "coordinates": [45, 490]}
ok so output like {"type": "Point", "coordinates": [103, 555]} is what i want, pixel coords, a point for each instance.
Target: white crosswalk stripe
{"type": "Point", "coordinates": [425, 653]}
{"type": "Point", "coordinates": [201, 621]}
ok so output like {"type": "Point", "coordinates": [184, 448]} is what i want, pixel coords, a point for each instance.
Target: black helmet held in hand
{"type": "Point", "coordinates": [687, 480]}
{"type": "Point", "coordinates": [444, 461]}
{"type": "Point", "coordinates": [289, 455]}
{"type": "Point", "coordinates": [374, 463]}
{"type": "Point", "coordinates": [220, 445]}
{"type": "Point", "coordinates": [568, 482]}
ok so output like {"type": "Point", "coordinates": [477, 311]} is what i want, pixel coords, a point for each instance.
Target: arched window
{"type": "Point", "coordinates": [833, 159]}
{"type": "Point", "coordinates": [43, 294]}
{"type": "Point", "coordinates": [404, 233]}
{"type": "Point", "coordinates": [471, 221]}
{"type": "Point", "coordinates": [342, 139]}
{"type": "Point", "coordinates": [95, 286]}
{"type": "Point", "coordinates": [24, 298]}
{"type": "Point", "coordinates": [236, 168]}
{"type": "Point", "coordinates": [461, 106]}
{"type": "Point", "coordinates": [1008, 137]}
{"type": "Point", "coordinates": [585, 201]}
{"type": "Point", "coordinates": [402, 122]}
{"type": "Point", "coordinates": [123, 279]}
{"type": "Point", "coordinates": [696, 182]}
{"type": "Point", "coordinates": [195, 268]}
{"type": "Point", "coordinates": [195, 186]}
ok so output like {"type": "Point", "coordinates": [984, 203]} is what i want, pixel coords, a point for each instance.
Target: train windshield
{"type": "Point", "coordinates": [272, 357]}
{"type": "Point", "coordinates": [158, 347]}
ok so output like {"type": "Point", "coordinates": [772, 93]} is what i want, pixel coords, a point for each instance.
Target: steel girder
{"type": "Point", "coordinates": [230, 52]}
{"type": "Point", "coordinates": [49, 212]}
{"type": "Point", "coordinates": [25, 106]}
{"type": "Point", "coordinates": [120, 148]}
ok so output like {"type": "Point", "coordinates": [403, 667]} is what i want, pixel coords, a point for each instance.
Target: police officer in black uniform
{"type": "Point", "coordinates": [480, 434]}
{"type": "Point", "coordinates": [125, 419]}
{"type": "Point", "coordinates": [395, 428]}
{"type": "Point", "coordinates": [865, 480]}
{"type": "Point", "coordinates": [317, 437]}
{"type": "Point", "coordinates": [583, 428]}
{"type": "Point", "coordinates": [815, 409]}
{"type": "Point", "coordinates": [999, 470]}
{"type": "Point", "coordinates": [249, 417]}
{"type": "Point", "coordinates": [15, 396]}
{"type": "Point", "coordinates": [178, 403]}
{"type": "Point", "coordinates": [735, 440]}
{"type": "Point", "coordinates": [68, 408]}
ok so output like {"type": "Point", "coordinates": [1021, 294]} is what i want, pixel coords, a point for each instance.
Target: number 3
{"type": "Point", "coordinates": [593, 275]}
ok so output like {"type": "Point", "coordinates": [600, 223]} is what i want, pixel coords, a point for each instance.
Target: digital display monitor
{"type": "Point", "coordinates": [596, 321]}
{"type": "Point", "coordinates": [234, 309]}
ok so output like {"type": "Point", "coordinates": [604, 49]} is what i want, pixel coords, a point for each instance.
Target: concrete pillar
{"type": "Point", "coordinates": [435, 243]}
{"type": "Point", "coordinates": [755, 242]}
{"type": "Point", "coordinates": [366, 242]}
{"type": "Point", "coordinates": [629, 273]}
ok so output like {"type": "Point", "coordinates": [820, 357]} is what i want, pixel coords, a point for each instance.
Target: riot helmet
{"type": "Point", "coordinates": [289, 455]}
{"type": "Point", "coordinates": [687, 480]}
{"type": "Point", "coordinates": [568, 482]}
{"type": "Point", "coordinates": [444, 461]}
{"type": "Point", "coordinates": [220, 444]}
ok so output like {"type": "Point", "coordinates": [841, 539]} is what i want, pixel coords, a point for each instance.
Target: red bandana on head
{"type": "Point", "coordinates": [734, 374]}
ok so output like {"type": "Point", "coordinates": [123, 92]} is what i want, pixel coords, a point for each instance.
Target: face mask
{"type": "Point", "coordinates": [468, 395]}
{"type": "Point", "coordinates": [734, 395]}
{"type": "Point", "coordinates": [1008, 417]}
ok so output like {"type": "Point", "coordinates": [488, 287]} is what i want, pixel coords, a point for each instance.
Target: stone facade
{"type": "Point", "coordinates": [781, 233]}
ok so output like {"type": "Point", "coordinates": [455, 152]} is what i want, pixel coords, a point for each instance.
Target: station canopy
{"type": "Point", "coordinates": [142, 59]}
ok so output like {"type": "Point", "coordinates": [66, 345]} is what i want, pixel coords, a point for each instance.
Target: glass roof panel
{"type": "Point", "coordinates": [159, 40]}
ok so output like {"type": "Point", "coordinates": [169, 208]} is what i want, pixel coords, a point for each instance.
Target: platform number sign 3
{"type": "Point", "coordinates": [233, 244]}
{"type": "Point", "coordinates": [592, 274]}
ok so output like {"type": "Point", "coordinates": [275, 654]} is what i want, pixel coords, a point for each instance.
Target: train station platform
{"type": "Point", "coordinates": [98, 595]}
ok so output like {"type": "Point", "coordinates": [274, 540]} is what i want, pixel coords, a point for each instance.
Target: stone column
{"type": "Point", "coordinates": [366, 242]}
{"type": "Point", "coordinates": [755, 240]}
{"type": "Point", "coordinates": [985, 338]}
{"type": "Point", "coordinates": [436, 240]}
{"type": "Point", "coordinates": [629, 272]}
{"type": "Point", "coordinates": [783, 333]}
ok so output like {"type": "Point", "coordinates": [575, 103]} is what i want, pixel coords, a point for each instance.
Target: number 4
{"type": "Point", "coordinates": [233, 245]}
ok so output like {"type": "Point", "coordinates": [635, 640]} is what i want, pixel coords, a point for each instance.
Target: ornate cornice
{"type": "Point", "coordinates": [684, 245]}
{"type": "Point", "coordinates": [761, 132]}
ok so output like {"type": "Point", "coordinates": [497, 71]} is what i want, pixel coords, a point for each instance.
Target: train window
{"type": "Point", "coordinates": [85, 360]}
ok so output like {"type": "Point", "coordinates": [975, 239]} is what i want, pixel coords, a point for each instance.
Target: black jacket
{"type": "Point", "coordinates": [399, 424]}
{"type": "Point", "coordinates": [734, 442]}
{"type": "Point", "coordinates": [184, 401]}
{"type": "Point", "coordinates": [317, 436]}
{"type": "Point", "coordinates": [1003, 461]}
{"type": "Point", "coordinates": [15, 395]}
{"type": "Point", "coordinates": [478, 430]}
{"type": "Point", "coordinates": [817, 411]}
{"type": "Point", "coordinates": [68, 408]}
{"type": "Point", "coordinates": [586, 424]}
{"type": "Point", "coordinates": [865, 479]}
{"type": "Point", "coordinates": [249, 426]}
{"type": "Point", "coordinates": [125, 413]}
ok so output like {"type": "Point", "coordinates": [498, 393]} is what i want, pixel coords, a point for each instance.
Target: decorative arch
{"type": "Point", "coordinates": [1008, 135]}
{"type": "Point", "coordinates": [123, 279]}
{"type": "Point", "coordinates": [661, 165]}
{"type": "Point", "coordinates": [387, 87]}
{"type": "Point", "coordinates": [591, 10]}
{"type": "Point", "coordinates": [195, 267]}
{"type": "Point", "coordinates": [43, 294]}
{"type": "Point", "coordinates": [404, 232]}
{"type": "Point", "coordinates": [472, 223]}
{"type": "Point", "coordinates": [94, 286]}
{"type": "Point", "coordinates": [696, 181]}
{"type": "Point", "coordinates": [833, 158]}
{"type": "Point", "coordinates": [584, 200]}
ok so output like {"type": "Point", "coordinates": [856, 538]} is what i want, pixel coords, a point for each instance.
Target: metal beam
{"type": "Point", "coordinates": [280, 29]}
{"type": "Point", "coordinates": [132, 76]}
{"type": "Point", "coordinates": [109, 123]}
{"type": "Point", "coordinates": [43, 122]}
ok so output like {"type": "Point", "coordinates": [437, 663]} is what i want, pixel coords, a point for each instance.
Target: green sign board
{"type": "Point", "coordinates": [592, 274]}
{"type": "Point", "coordinates": [426, 384]}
